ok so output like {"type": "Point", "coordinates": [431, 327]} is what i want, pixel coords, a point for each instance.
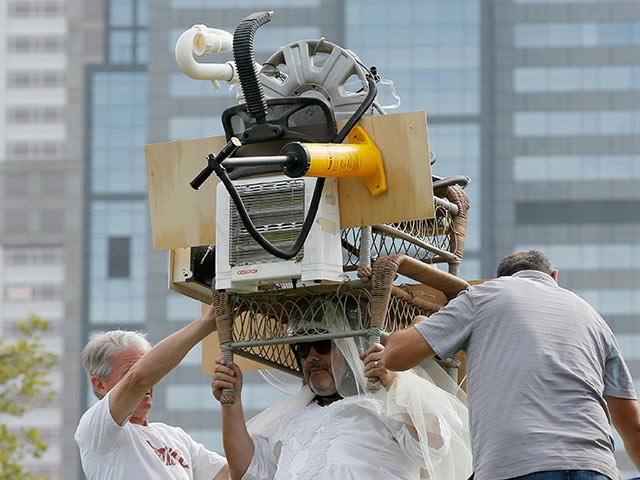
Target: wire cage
{"type": "Point", "coordinates": [266, 323]}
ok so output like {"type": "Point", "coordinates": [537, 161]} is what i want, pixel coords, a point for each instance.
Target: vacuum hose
{"type": "Point", "coordinates": [245, 64]}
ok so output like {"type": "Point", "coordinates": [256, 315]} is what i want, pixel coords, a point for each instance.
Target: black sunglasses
{"type": "Point", "coordinates": [320, 346]}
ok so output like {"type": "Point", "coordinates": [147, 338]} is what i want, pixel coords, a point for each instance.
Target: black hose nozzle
{"type": "Point", "coordinates": [214, 160]}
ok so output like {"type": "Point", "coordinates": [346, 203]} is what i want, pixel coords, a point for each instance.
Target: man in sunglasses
{"type": "Point", "coordinates": [331, 429]}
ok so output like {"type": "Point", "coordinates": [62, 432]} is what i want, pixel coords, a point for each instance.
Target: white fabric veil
{"type": "Point", "coordinates": [439, 417]}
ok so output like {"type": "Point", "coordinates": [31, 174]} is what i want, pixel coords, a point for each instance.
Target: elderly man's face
{"type": "Point", "coordinates": [122, 362]}
{"type": "Point", "coordinates": [317, 367]}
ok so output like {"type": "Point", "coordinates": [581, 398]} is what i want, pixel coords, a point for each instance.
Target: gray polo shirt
{"type": "Point", "coordinates": [539, 359]}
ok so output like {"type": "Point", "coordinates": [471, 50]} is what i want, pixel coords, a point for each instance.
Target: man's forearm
{"type": "Point", "coordinates": [632, 447]}
{"type": "Point", "coordinates": [238, 445]}
{"type": "Point", "coordinates": [405, 349]}
{"type": "Point", "coordinates": [168, 353]}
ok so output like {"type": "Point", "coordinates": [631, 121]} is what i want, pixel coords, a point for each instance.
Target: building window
{"type": "Point", "coordinates": [457, 149]}
{"type": "Point", "coordinates": [16, 220]}
{"type": "Point", "coordinates": [119, 257]}
{"type": "Point", "coordinates": [121, 13]}
{"type": "Point", "coordinates": [22, 292]}
{"type": "Point", "coordinates": [24, 151]}
{"type": "Point", "coordinates": [576, 123]}
{"type": "Point", "coordinates": [589, 256]}
{"type": "Point", "coordinates": [121, 46]}
{"type": "Point", "coordinates": [119, 129]}
{"type": "Point", "coordinates": [578, 34]}
{"type": "Point", "coordinates": [612, 301]}
{"type": "Point", "coordinates": [569, 168]}
{"type": "Point", "coordinates": [35, 79]}
{"type": "Point", "coordinates": [118, 300]}
{"type": "Point", "coordinates": [35, 8]}
{"type": "Point", "coordinates": [32, 255]}
{"type": "Point", "coordinates": [37, 114]}
{"type": "Point", "coordinates": [576, 79]}
{"type": "Point", "coordinates": [52, 220]}
{"type": "Point", "coordinates": [53, 184]}
{"type": "Point", "coordinates": [36, 44]}
{"type": "Point", "coordinates": [16, 184]}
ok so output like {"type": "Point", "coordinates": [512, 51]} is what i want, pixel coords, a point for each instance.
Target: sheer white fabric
{"type": "Point", "coordinates": [367, 434]}
{"type": "Point", "coordinates": [342, 440]}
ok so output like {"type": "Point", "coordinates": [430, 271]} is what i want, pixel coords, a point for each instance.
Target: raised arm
{"type": "Point", "coordinates": [155, 364]}
{"type": "Point", "coordinates": [405, 349]}
{"type": "Point", "coordinates": [238, 445]}
{"type": "Point", "coordinates": [625, 415]}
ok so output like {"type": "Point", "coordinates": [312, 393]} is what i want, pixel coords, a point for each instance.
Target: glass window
{"type": "Point", "coordinates": [119, 132]}
{"type": "Point", "coordinates": [457, 149]}
{"type": "Point", "coordinates": [578, 34]}
{"type": "Point", "coordinates": [582, 123]}
{"type": "Point", "coordinates": [118, 300]}
{"type": "Point", "coordinates": [587, 257]}
{"type": "Point", "coordinates": [120, 13]}
{"type": "Point", "coordinates": [32, 255]}
{"type": "Point", "coordinates": [570, 79]}
{"type": "Point", "coordinates": [142, 47]}
{"type": "Point", "coordinates": [121, 47]}
{"type": "Point", "coordinates": [142, 13]}
{"type": "Point", "coordinates": [119, 257]}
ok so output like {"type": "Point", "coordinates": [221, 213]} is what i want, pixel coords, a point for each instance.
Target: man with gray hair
{"type": "Point", "coordinates": [114, 436]}
{"type": "Point", "coordinates": [545, 375]}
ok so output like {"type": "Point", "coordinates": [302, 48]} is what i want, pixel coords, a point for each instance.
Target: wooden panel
{"type": "Point", "coordinates": [402, 140]}
{"type": "Point", "coordinates": [182, 217]}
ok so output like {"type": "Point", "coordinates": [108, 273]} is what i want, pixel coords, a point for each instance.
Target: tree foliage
{"type": "Point", "coordinates": [24, 365]}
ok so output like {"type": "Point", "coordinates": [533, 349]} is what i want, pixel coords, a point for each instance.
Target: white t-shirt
{"type": "Point", "coordinates": [342, 441]}
{"type": "Point", "coordinates": [137, 452]}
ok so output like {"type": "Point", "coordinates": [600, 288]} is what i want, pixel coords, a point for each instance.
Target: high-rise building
{"type": "Point", "coordinates": [40, 228]}
{"type": "Point", "coordinates": [538, 101]}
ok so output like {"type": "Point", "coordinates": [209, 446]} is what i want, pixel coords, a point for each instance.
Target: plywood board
{"type": "Point", "coordinates": [182, 217]}
{"type": "Point", "coordinates": [402, 140]}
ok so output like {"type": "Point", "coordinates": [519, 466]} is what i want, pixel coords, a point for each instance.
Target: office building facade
{"type": "Point", "coordinates": [538, 101]}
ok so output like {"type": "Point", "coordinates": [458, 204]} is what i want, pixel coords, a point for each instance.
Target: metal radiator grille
{"type": "Point", "coordinates": [277, 212]}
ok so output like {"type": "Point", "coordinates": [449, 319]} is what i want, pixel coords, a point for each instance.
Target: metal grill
{"type": "Point", "coordinates": [264, 324]}
{"type": "Point", "coordinates": [418, 234]}
{"type": "Point", "coordinates": [277, 212]}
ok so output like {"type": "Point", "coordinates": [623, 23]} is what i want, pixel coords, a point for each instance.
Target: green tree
{"type": "Point", "coordinates": [24, 365]}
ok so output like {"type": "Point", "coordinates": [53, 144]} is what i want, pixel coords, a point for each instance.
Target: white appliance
{"type": "Point", "coordinates": [277, 205]}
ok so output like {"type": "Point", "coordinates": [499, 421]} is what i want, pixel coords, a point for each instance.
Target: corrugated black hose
{"type": "Point", "coordinates": [245, 64]}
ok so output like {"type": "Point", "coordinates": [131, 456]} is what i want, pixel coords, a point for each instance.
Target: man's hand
{"type": "Point", "coordinates": [209, 317]}
{"type": "Point", "coordinates": [226, 377]}
{"type": "Point", "coordinates": [373, 366]}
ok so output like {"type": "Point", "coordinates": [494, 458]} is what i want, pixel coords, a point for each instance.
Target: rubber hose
{"type": "Point", "coordinates": [245, 64]}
